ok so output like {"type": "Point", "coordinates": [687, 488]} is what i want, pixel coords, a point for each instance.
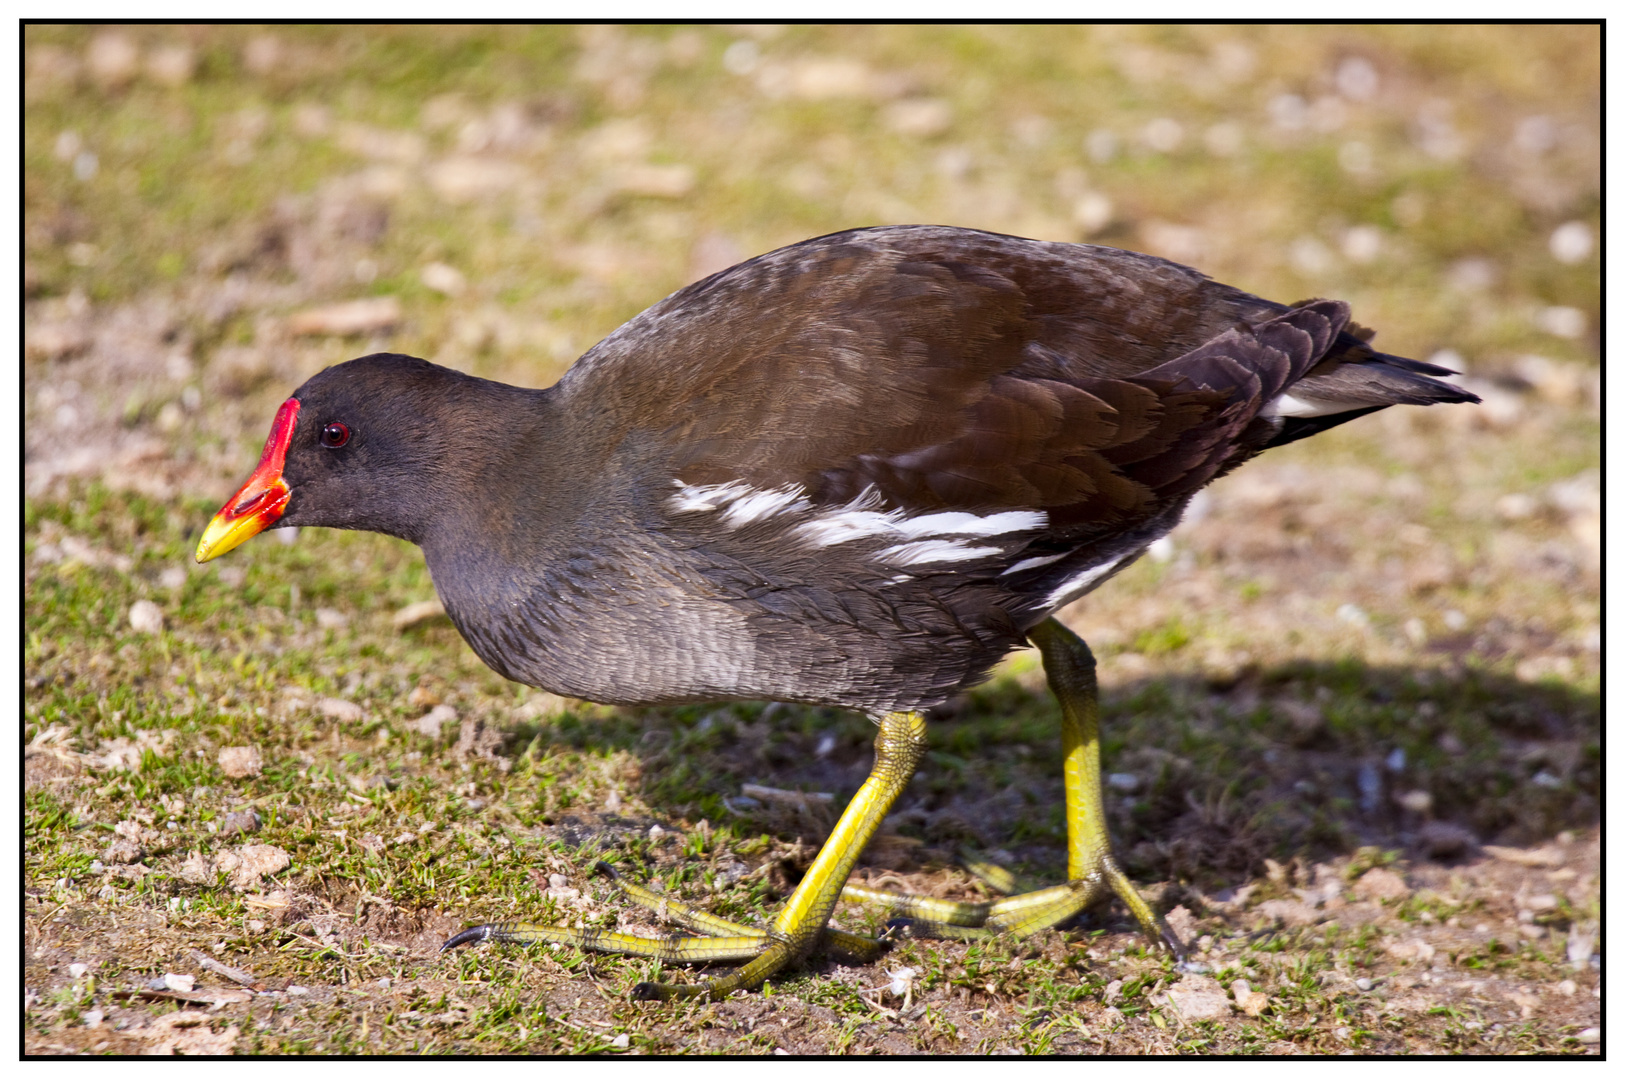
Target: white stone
{"type": "Point", "coordinates": [444, 279]}
{"type": "Point", "coordinates": [1571, 242]}
{"type": "Point", "coordinates": [146, 617]}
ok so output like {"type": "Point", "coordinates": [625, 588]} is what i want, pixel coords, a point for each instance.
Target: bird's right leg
{"type": "Point", "coordinates": [1092, 869]}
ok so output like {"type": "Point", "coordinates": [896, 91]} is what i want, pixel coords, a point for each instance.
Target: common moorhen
{"type": "Point", "coordinates": [852, 472]}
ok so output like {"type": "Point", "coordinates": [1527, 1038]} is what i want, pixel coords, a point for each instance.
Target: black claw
{"type": "Point", "coordinates": [473, 933]}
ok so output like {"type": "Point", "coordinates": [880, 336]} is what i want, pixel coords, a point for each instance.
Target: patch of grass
{"type": "Point", "coordinates": [1245, 708]}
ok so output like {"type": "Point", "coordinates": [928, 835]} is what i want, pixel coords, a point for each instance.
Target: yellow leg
{"type": "Point", "coordinates": [799, 927]}
{"type": "Point", "coordinates": [1092, 869]}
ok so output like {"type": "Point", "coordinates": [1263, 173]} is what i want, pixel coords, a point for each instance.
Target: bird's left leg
{"type": "Point", "coordinates": [799, 927]}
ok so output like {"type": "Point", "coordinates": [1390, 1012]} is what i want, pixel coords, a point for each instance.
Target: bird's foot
{"type": "Point", "coordinates": [1022, 914]}
{"type": "Point", "coordinates": [799, 928]}
{"type": "Point", "coordinates": [713, 939]}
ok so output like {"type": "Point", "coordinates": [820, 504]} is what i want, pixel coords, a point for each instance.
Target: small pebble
{"type": "Point", "coordinates": [183, 983]}
{"type": "Point", "coordinates": [240, 821]}
{"type": "Point", "coordinates": [339, 709]}
{"type": "Point", "coordinates": [239, 762]}
{"type": "Point", "coordinates": [443, 279]}
{"type": "Point", "coordinates": [1443, 840]}
{"type": "Point", "coordinates": [1198, 997]}
{"type": "Point", "coordinates": [1249, 1000]}
{"type": "Point", "coordinates": [1364, 984]}
{"type": "Point", "coordinates": [94, 1018]}
{"type": "Point", "coordinates": [1417, 802]}
{"type": "Point", "coordinates": [1590, 1035]}
{"type": "Point", "coordinates": [1516, 506]}
{"type": "Point", "coordinates": [621, 1041]}
{"type": "Point", "coordinates": [365, 316]}
{"type": "Point", "coordinates": [1579, 947]}
{"type": "Point", "coordinates": [331, 619]}
{"type": "Point", "coordinates": [146, 617]}
{"type": "Point", "coordinates": [78, 970]}
{"type": "Point", "coordinates": [1380, 883]}
{"type": "Point", "coordinates": [429, 723]}
{"type": "Point", "coordinates": [416, 614]}
{"type": "Point", "coordinates": [1571, 242]}
{"type": "Point", "coordinates": [297, 991]}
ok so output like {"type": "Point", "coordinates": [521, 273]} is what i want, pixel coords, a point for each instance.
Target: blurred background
{"type": "Point", "coordinates": [199, 201]}
{"type": "Point", "coordinates": [1386, 635]}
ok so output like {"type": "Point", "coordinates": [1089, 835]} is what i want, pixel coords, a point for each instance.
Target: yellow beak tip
{"type": "Point", "coordinates": [222, 536]}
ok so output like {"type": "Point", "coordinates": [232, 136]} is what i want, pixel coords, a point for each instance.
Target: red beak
{"type": "Point", "coordinates": [259, 502]}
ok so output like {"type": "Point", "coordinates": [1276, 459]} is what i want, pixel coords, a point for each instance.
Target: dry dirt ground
{"type": "Point", "coordinates": [1352, 712]}
{"type": "Point", "coordinates": [1381, 975]}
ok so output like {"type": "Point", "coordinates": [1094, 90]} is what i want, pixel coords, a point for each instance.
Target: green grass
{"type": "Point", "coordinates": [1236, 696]}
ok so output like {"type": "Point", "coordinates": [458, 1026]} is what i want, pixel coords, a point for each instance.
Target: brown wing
{"type": "Point", "coordinates": [941, 365]}
{"type": "Point", "coordinates": [951, 369]}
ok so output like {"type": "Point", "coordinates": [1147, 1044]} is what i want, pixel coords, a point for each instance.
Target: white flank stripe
{"type": "Point", "coordinates": [1287, 405]}
{"type": "Point", "coordinates": [744, 504]}
{"type": "Point", "coordinates": [760, 504]}
{"type": "Point", "coordinates": [705, 497]}
{"type": "Point", "coordinates": [961, 524]}
{"type": "Point", "coordinates": [846, 525]}
{"type": "Point", "coordinates": [1078, 584]}
{"type": "Point", "coordinates": [931, 538]}
{"type": "Point", "coordinates": [933, 551]}
{"type": "Point", "coordinates": [857, 520]}
{"type": "Point", "coordinates": [1035, 562]}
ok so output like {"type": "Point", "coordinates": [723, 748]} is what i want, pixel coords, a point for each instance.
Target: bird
{"type": "Point", "coordinates": [853, 472]}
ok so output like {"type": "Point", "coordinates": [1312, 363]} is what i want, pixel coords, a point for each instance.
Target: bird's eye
{"type": "Point", "coordinates": [335, 435]}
